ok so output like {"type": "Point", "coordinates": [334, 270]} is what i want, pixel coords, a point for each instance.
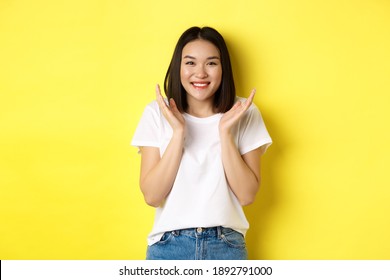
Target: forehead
{"type": "Point", "coordinates": [200, 48]}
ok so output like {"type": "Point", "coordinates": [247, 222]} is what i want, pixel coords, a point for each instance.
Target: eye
{"type": "Point", "coordinates": [212, 63]}
{"type": "Point", "coordinates": [189, 63]}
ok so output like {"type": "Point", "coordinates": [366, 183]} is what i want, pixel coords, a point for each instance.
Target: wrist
{"type": "Point", "coordinates": [225, 135]}
{"type": "Point", "coordinates": [178, 134]}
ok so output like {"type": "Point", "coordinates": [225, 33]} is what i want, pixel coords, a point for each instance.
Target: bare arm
{"type": "Point", "coordinates": [242, 172]}
{"type": "Point", "coordinates": [158, 174]}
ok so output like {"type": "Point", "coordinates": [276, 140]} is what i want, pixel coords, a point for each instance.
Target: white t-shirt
{"type": "Point", "coordinates": [200, 196]}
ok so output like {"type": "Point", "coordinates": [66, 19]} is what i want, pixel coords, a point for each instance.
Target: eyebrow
{"type": "Point", "coordinates": [209, 58]}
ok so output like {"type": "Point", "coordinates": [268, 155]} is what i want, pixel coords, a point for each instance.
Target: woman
{"type": "Point", "coordinates": [200, 154]}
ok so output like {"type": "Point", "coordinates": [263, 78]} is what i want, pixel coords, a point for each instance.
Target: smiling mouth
{"type": "Point", "coordinates": [200, 85]}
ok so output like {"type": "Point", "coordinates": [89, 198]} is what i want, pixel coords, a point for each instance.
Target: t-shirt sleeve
{"type": "Point", "coordinates": [148, 130]}
{"type": "Point", "coordinates": [253, 132]}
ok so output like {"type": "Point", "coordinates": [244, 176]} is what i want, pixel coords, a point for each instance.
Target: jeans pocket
{"type": "Point", "coordinates": [234, 239]}
{"type": "Point", "coordinates": [167, 236]}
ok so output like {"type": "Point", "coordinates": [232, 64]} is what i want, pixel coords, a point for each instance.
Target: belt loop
{"type": "Point", "coordinates": [219, 232]}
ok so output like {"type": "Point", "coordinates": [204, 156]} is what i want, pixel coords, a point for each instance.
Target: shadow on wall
{"type": "Point", "coordinates": [260, 213]}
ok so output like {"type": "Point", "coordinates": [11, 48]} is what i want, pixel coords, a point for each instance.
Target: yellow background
{"type": "Point", "coordinates": [76, 75]}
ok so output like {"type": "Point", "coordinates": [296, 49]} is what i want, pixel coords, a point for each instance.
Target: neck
{"type": "Point", "coordinates": [201, 109]}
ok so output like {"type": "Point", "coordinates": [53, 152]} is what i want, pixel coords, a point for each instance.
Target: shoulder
{"type": "Point", "coordinates": [252, 108]}
{"type": "Point", "coordinates": [153, 109]}
{"type": "Point", "coordinates": [151, 114]}
{"type": "Point", "coordinates": [152, 106]}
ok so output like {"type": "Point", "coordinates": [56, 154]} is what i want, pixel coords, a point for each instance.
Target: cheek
{"type": "Point", "coordinates": [184, 73]}
{"type": "Point", "coordinates": [218, 76]}
{"type": "Point", "coordinates": [184, 76]}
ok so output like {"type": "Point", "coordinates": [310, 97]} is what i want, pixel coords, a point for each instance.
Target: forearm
{"type": "Point", "coordinates": [243, 181]}
{"type": "Point", "coordinates": [158, 181]}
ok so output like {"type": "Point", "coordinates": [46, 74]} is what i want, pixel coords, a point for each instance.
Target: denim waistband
{"type": "Point", "coordinates": [203, 232]}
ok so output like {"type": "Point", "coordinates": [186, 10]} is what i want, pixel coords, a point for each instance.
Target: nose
{"type": "Point", "coordinates": [201, 72]}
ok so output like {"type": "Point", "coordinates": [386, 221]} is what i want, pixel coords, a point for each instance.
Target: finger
{"type": "Point", "coordinates": [158, 91]}
{"type": "Point", "coordinates": [160, 99]}
{"type": "Point", "coordinates": [236, 105]}
{"type": "Point", "coordinates": [160, 102]}
{"type": "Point", "coordinates": [252, 95]}
{"type": "Point", "coordinates": [172, 104]}
{"type": "Point", "coordinates": [249, 101]}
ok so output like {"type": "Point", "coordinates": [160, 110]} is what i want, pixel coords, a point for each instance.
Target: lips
{"type": "Point", "coordinates": [200, 85]}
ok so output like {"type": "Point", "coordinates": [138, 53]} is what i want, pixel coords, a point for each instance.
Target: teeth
{"type": "Point", "coordinates": [200, 85]}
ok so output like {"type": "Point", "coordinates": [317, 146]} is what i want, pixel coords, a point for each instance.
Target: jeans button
{"type": "Point", "coordinates": [199, 230]}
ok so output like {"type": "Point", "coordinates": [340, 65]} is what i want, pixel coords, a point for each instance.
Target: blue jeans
{"type": "Point", "coordinates": [217, 243]}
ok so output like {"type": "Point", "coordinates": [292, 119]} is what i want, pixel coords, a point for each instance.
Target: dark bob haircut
{"type": "Point", "coordinates": [225, 95]}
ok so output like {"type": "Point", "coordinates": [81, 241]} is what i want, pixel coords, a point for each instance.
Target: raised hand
{"type": "Point", "coordinates": [171, 113]}
{"type": "Point", "coordinates": [231, 117]}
